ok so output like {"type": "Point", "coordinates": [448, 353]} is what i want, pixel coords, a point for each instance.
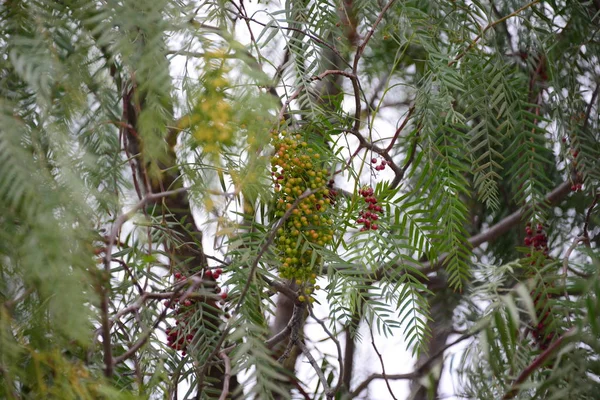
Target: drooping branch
{"type": "Point", "coordinates": [537, 362]}
{"type": "Point", "coordinates": [492, 233]}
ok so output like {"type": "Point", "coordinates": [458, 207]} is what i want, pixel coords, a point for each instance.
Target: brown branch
{"type": "Point", "coordinates": [133, 349]}
{"type": "Point", "coordinates": [227, 375]}
{"type": "Point", "coordinates": [363, 45]}
{"type": "Point", "coordinates": [279, 337]}
{"type": "Point", "coordinates": [503, 226]}
{"type": "Point", "coordinates": [328, 392]}
{"type": "Point", "coordinates": [537, 362]}
{"type": "Point", "coordinates": [387, 382]}
{"type": "Point", "coordinates": [105, 286]}
{"type": "Point", "coordinates": [280, 287]}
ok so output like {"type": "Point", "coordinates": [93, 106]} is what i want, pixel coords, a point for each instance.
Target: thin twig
{"type": "Point", "coordinates": [537, 362]}
{"type": "Point", "coordinates": [416, 373]}
{"type": "Point", "coordinates": [279, 337]}
{"type": "Point", "coordinates": [226, 377]}
{"type": "Point", "coordinates": [503, 226]}
{"type": "Point", "coordinates": [337, 345]}
{"type": "Point", "coordinates": [105, 286]}
{"type": "Point", "coordinates": [387, 382]}
{"type": "Point", "coordinates": [295, 322]}
{"type": "Point", "coordinates": [130, 273]}
{"type": "Point", "coordinates": [411, 110]}
{"type": "Point", "coordinates": [328, 392]}
{"type": "Point", "coordinates": [363, 45]}
{"type": "Point", "coordinates": [133, 349]}
{"type": "Point", "coordinates": [490, 26]}
{"type": "Point", "coordinates": [9, 304]}
{"type": "Point", "coordinates": [588, 111]}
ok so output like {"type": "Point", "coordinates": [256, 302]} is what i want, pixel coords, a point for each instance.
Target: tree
{"type": "Point", "coordinates": [183, 183]}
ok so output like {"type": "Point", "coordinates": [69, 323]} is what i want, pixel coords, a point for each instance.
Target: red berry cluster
{"type": "Point", "coordinates": [539, 241]}
{"type": "Point", "coordinates": [379, 167]}
{"type": "Point", "coordinates": [369, 216]}
{"type": "Point", "coordinates": [180, 336]}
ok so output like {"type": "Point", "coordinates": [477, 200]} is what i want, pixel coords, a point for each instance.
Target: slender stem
{"type": "Point", "coordinates": [490, 26]}
{"type": "Point", "coordinates": [226, 377]}
{"type": "Point", "coordinates": [539, 361]}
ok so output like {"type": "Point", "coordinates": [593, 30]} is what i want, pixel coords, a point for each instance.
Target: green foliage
{"type": "Point", "coordinates": [148, 247]}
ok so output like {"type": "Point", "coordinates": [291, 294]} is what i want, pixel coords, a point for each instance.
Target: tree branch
{"type": "Point", "coordinates": [503, 226]}
{"type": "Point", "coordinates": [328, 392]}
{"type": "Point", "coordinates": [411, 375]}
{"type": "Point", "coordinates": [227, 375]}
{"type": "Point", "coordinates": [539, 360]}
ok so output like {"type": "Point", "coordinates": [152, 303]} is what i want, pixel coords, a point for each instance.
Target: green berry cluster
{"type": "Point", "coordinates": [295, 170]}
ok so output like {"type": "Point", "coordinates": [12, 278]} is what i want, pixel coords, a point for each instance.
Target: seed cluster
{"type": "Point", "coordinates": [539, 241]}
{"type": "Point", "coordinates": [181, 336]}
{"type": "Point", "coordinates": [296, 171]}
{"type": "Point", "coordinates": [369, 216]}
{"type": "Point", "coordinates": [381, 166]}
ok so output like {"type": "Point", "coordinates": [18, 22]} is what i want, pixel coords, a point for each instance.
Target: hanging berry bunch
{"type": "Point", "coordinates": [371, 211]}
{"type": "Point", "coordinates": [538, 241]}
{"type": "Point", "coordinates": [180, 336]}
{"type": "Point", "coordinates": [543, 333]}
{"type": "Point", "coordinates": [379, 167]}
{"type": "Point", "coordinates": [296, 170]}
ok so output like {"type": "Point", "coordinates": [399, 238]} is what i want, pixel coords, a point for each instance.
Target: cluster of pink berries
{"type": "Point", "coordinates": [369, 216]}
{"type": "Point", "coordinates": [577, 185]}
{"type": "Point", "coordinates": [379, 167]}
{"type": "Point", "coordinates": [539, 240]}
{"type": "Point", "coordinates": [180, 335]}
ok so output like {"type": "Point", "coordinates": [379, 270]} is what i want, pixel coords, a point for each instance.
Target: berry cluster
{"type": "Point", "coordinates": [180, 336]}
{"type": "Point", "coordinates": [379, 167]}
{"type": "Point", "coordinates": [295, 171]}
{"type": "Point", "coordinates": [369, 216]}
{"type": "Point", "coordinates": [539, 241]}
